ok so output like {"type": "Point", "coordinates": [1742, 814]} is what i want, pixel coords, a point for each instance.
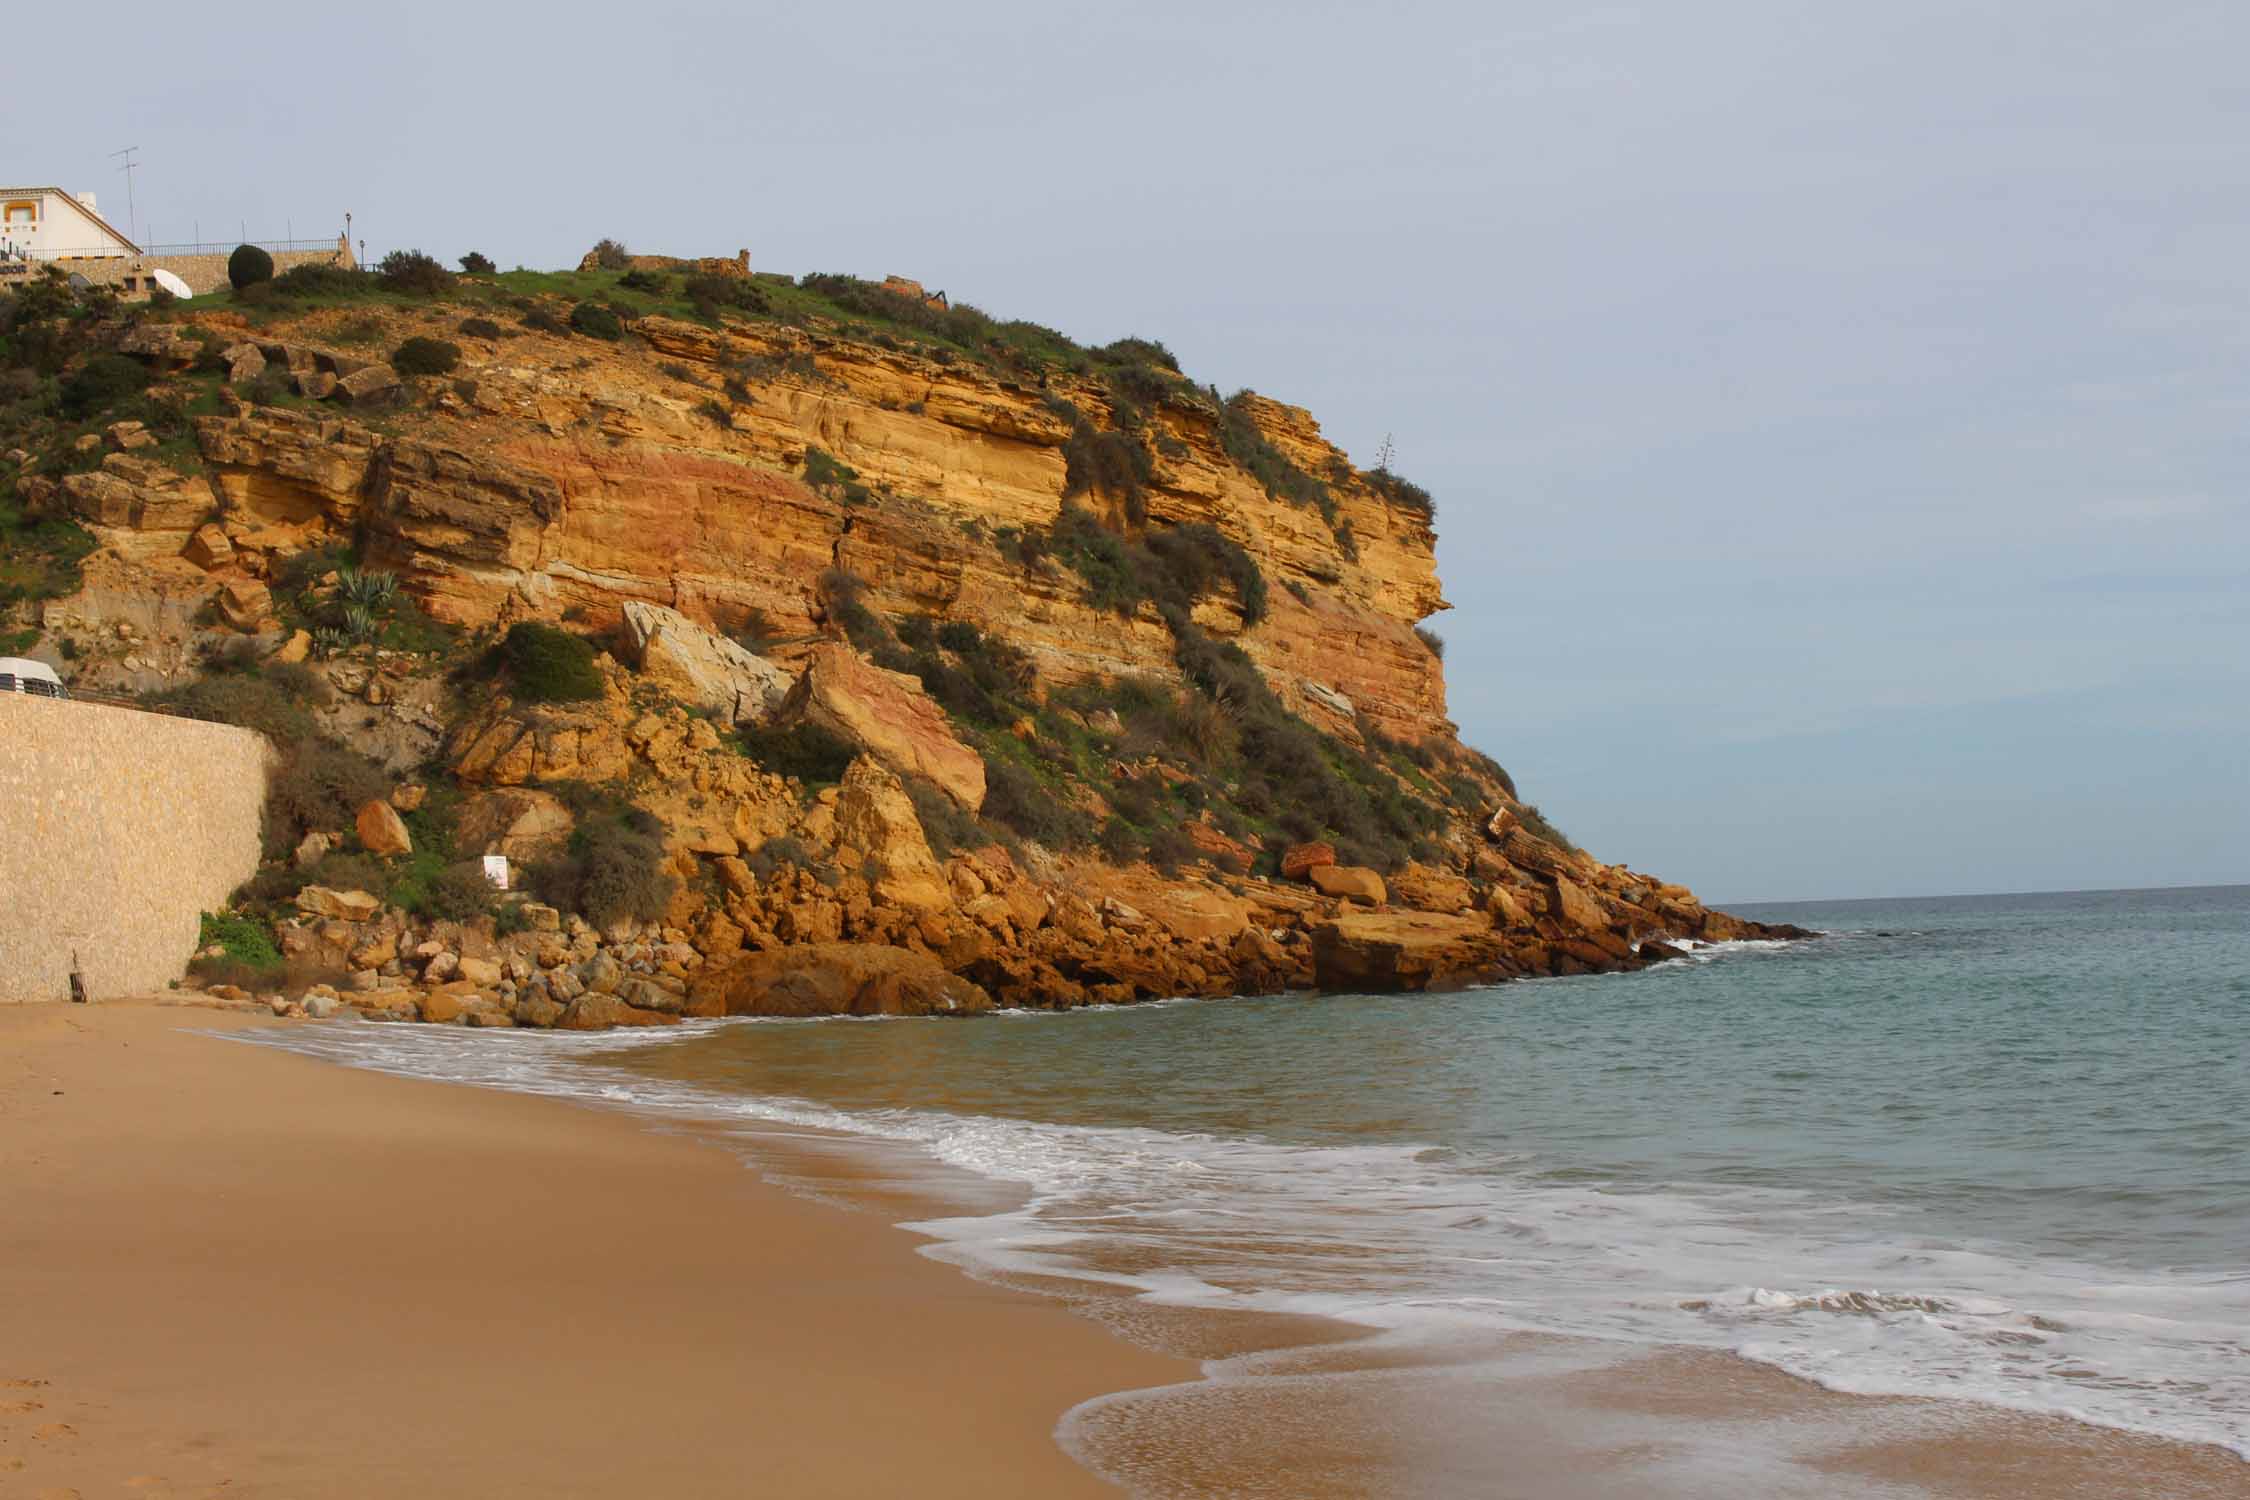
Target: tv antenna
{"type": "Point", "coordinates": [132, 219]}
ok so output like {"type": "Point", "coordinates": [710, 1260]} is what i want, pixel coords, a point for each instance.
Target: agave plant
{"type": "Point", "coordinates": [369, 590]}
{"type": "Point", "coordinates": [359, 623]}
{"type": "Point", "coordinates": [327, 640]}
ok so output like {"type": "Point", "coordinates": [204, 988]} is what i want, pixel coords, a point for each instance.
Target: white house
{"type": "Point", "coordinates": [46, 223]}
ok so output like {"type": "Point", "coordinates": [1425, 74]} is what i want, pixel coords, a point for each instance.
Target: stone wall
{"type": "Point", "coordinates": [117, 829]}
{"type": "Point", "coordinates": [202, 273]}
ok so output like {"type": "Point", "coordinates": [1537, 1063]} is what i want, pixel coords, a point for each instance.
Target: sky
{"type": "Point", "coordinates": [1839, 415]}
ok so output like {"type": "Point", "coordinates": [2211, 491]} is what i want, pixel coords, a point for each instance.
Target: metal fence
{"type": "Point", "coordinates": [226, 247]}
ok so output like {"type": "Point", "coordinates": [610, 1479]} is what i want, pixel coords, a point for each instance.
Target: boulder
{"type": "Point", "coordinates": [311, 849]}
{"type": "Point", "coordinates": [1197, 913]}
{"type": "Point", "coordinates": [1426, 889]}
{"type": "Point", "coordinates": [1298, 861]}
{"type": "Point", "coordinates": [165, 345]}
{"type": "Point", "coordinates": [1576, 910]}
{"type": "Point", "coordinates": [245, 362]}
{"type": "Point", "coordinates": [888, 715]}
{"type": "Point", "coordinates": [1352, 882]}
{"type": "Point", "coordinates": [382, 830]}
{"type": "Point", "coordinates": [1374, 952]}
{"type": "Point", "coordinates": [321, 1002]}
{"type": "Point", "coordinates": [138, 508]}
{"type": "Point", "coordinates": [339, 906]}
{"type": "Point", "coordinates": [597, 1012]}
{"type": "Point", "coordinates": [520, 822]}
{"type": "Point", "coordinates": [125, 437]}
{"type": "Point", "coordinates": [245, 602]}
{"type": "Point", "coordinates": [296, 648]}
{"type": "Point", "coordinates": [703, 667]}
{"type": "Point", "coordinates": [835, 979]}
{"type": "Point", "coordinates": [875, 816]}
{"type": "Point", "coordinates": [441, 1007]}
{"type": "Point", "coordinates": [370, 385]}
{"type": "Point", "coordinates": [481, 972]}
{"type": "Point", "coordinates": [410, 796]}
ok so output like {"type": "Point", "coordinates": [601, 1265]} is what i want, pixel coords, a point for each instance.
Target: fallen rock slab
{"type": "Point", "coordinates": [1378, 952]}
{"type": "Point", "coordinates": [836, 979]}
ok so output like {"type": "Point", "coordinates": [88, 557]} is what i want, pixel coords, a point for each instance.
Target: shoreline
{"type": "Point", "coordinates": [235, 1271]}
{"type": "Point", "coordinates": [1070, 1369]}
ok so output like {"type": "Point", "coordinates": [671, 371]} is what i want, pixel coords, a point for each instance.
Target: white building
{"type": "Point", "coordinates": [46, 223]}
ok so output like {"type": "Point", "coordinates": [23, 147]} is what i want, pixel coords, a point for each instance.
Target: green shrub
{"type": "Point", "coordinates": [596, 321]}
{"type": "Point", "coordinates": [540, 320]}
{"type": "Point", "coordinates": [547, 665]}
{"type": "Point", "coordinates": [823, 469]}
{"type": "Point", "coordinates": [1109, 463]}
{"type": "Point", "coordinates": [710, 293]}
{"type": "Point", "coordinates": [477, 264]}
{"type": "Point", "coordinates": [1134, 351]}
{"type": "Point", "coordinates": [317, 281]}
{"type": "Point", "coordinates": [1016, 799]}
{"type": "Point", "coordinates": [246, 939]}
{"type": "Point", "coordinates": [652, 282]}
{"type": "Point", "coordinates": [1403, 492]}
{"type": "Point", "coordinates": [319, 784]}
{"type": "Point", "coordinates": [1433, 640]}
{"type": "Point", "coordinates": [455, 893]}
{"type": "Point", "coordinates": [482, 328]}
{"type": "Point", "coordinates": [425, 356]}
{"type": "Point", "coordinates": [414, 273]}
{"type": "Point", "coordinates": [266, 704]}
{"type": "Point", "coordinates": [248, 266]}
{"type": "Point", "coordinates": [802, 750]}
{"type": "Point", "coordinates": [613, 869]}
{"type": "Point", "coordinates": [611, 255]}
{"type": "Point", "coordinates": [1169, 848]}
{"type": "Point", "coordinates": [100, 383]}
{"type": "Point", "coordinates": [1535, 823]}
{"type": "Point", "coordinates": [717, 412]}
{"type": "Point", "coordinates": [950, 830]}
{"type": "Point", "coordinates": [1171, 568]}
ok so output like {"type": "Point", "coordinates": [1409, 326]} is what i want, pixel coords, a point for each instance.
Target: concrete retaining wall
{"type": "Point", "coordinates": [117, 830]}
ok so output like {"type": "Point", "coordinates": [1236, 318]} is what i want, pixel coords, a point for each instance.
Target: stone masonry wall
{"type": "Point", "coordinates": [117, 829]}
{"type": "Point", "coordinates": [202, 273]}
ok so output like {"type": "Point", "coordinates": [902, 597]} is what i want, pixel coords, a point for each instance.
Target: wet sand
{"type": "Point", "coordinates": [228, 1270]}
{"type": "Point", "coordinates": [225, 1270]}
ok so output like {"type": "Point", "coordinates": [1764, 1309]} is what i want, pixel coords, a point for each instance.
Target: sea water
{"type": "Point", "coordinates": [1994, 1149]}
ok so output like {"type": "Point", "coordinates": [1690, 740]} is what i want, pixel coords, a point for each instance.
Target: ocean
{"type": "Point", "coordinates": [1992, 1149]}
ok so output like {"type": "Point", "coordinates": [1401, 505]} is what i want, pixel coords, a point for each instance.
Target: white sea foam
{"type": "Point", "coordinates": [1423, 1243]}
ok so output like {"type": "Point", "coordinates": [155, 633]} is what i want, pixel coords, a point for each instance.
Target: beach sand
{"type": "Point", "coordinates": [232, 1271]}
{"type": "Point", "coordinates": [225, 1270]}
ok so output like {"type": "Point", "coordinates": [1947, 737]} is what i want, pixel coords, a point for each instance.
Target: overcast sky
{"type": "Point", "coordinates": [1839, 414]}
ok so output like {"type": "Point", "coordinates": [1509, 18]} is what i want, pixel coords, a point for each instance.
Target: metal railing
{"type": "Point", "coordinates": [226, 247]}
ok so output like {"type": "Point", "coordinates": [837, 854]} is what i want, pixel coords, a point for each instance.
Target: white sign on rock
{"type": "Point", "coordinates": [496, 870]}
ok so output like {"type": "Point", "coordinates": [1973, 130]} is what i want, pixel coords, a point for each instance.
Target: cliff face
{"type": "Point", "coordinates": [1065, 615]}
{"type": "Point", "coordinates": [569, 476]}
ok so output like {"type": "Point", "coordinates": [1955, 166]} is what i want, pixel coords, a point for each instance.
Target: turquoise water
{"type": "Point", "coordinates": [1992, 1148]}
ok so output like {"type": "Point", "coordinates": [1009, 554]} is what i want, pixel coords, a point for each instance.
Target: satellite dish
{"type": "Point", "coordinates": [171, 283]}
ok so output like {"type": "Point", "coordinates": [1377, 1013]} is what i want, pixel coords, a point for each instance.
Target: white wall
{"type": "Point", "coordinates": [60, 228]}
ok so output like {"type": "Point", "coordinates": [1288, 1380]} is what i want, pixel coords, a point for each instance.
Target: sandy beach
{"type": "Point", "coordinates": [231, 1271]}
{"type": "Point", "coordinates": [234, 1271]}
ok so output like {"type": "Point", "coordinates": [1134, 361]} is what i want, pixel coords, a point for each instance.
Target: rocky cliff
{"type": "Point", "coordinates": [1044, 669]}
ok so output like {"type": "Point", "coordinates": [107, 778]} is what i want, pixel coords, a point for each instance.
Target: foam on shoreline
{"type": "Point", "coordinates": [1437, 1253]}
